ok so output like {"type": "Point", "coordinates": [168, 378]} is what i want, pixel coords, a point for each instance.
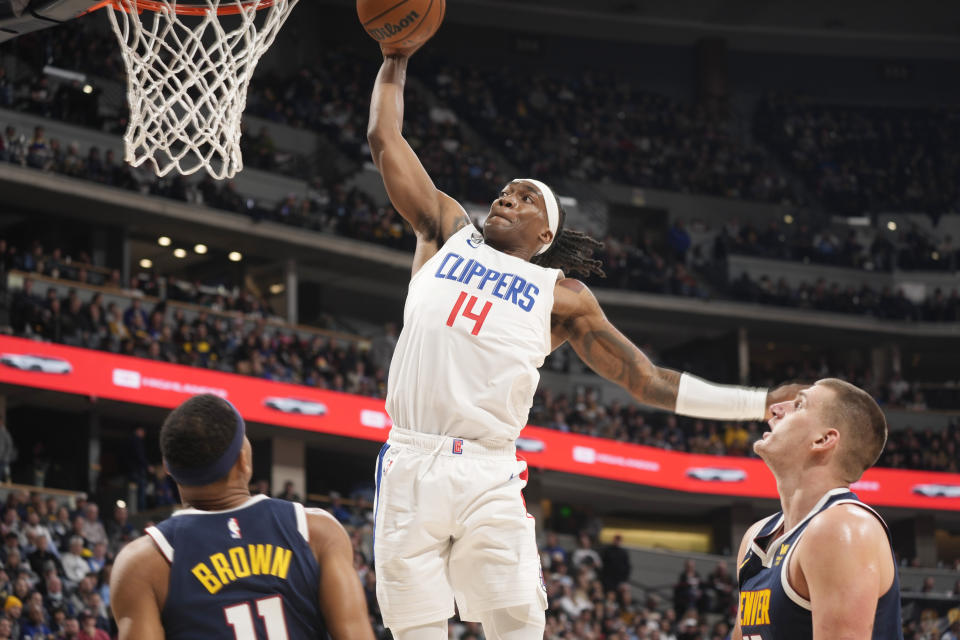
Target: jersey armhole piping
{"type": "Point", "coordinates": [301, 515]}
{"type": "Point", "coordinates": [795, 597]}
{"type": "Point", "coordinates": [785, 571]}
{"type": "Point", "coordinates": [162, 543]}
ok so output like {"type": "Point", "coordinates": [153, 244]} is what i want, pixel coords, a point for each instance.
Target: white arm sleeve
{"type": "Point", "coordinates": [698, 398]}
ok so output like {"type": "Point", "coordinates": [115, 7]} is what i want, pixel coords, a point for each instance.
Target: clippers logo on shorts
{"type": "Point", "coordinates": [234, 528]}
{"type": "Point", "coordinates": [506, 286]}
{"type": "Point", "coordinates": [458, 446]}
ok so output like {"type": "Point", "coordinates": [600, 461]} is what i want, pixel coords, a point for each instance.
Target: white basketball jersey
{"type": "Point", "coordinates": [476, 327]}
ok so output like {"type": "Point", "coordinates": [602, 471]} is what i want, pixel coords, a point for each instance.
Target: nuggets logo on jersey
{"type": "Point", "coordinates": [781, 554]}
{"type": "Point", "coordinates": [506, 286]}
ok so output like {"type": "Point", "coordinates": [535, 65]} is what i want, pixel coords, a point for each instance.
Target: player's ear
{"type": "Point", "coordinates": [827, 440]}
{"type": "Point", "coordinates": [546, 236]}
{"type": "Point", "coordinates": [245, 460]}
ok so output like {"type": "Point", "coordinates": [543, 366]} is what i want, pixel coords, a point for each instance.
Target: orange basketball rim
{"type": "Point", "coordinates": [186, 8]}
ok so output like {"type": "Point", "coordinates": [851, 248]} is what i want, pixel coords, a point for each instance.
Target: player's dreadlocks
{"type": "Point", "coordinates": [571, 251]}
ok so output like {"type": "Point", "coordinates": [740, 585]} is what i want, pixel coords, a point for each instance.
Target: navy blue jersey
{"type": "Point", "coordinates": [770, 609]}
{"type": "Point", "coordinates": [243, 574]}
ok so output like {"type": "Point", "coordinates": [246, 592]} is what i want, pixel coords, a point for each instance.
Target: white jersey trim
{"type": "Point", "coordinates": [190, 511]}
{"type": "Point", "coordinates": [161, 541]}
{"type": "Point", "coordinates": [755, 548]}
{"type": "Point", "coordinates": [784, 569]}
{"type": "Point", "coordinates": [301, 520]}
{"type": "Point", "coordinates": [767, 557]}
{"type": "Point", "coordinates": [797, 599]}
{"type": "Point", "coordinates": [548, 348]}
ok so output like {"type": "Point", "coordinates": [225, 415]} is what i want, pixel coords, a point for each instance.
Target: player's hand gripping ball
{"type": "Point", "coordinates": [401, 27]}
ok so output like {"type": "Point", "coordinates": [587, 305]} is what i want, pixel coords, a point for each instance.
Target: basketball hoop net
{"type": "Point", "coordinates": [189, 65]}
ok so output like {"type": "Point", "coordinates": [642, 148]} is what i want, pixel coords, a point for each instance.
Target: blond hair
{"type": "Point", "coordinates": [862, 424]}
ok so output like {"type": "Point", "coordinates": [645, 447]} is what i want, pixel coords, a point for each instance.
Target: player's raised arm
{"type": "Point", "coordinates": [342, 601]}
{"type": "Point", "coordinates": [433, 214]}
{"type": "Point", "coordinates": [138, 587]}
{"type": "Point", "coordinates": [578, 318]}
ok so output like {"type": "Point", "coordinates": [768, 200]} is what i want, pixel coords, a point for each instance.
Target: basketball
{"type": "Point", "coordinates": [404, 25]}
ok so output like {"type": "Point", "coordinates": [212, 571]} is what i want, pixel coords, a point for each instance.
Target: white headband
{"type": "Point", "coordinates": [553, 210]}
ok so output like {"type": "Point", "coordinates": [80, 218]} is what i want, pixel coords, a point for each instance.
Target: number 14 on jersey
{"type": "Point", "coordinates": [469, 312]}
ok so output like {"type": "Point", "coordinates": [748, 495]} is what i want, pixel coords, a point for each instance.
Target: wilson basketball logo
{"type": "Point", "coordinates": [458, 446]}
{"type": "Point", "coordinates": [389, 29]}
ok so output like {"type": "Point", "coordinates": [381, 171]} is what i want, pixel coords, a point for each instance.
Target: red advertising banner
{"type": "Point", "coordinates": [105, 375]}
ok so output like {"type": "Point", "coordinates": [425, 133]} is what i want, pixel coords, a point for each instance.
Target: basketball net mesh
{"type": "Point", "coordinates": [187, 81]}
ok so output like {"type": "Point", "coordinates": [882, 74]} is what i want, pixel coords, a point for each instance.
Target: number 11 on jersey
{"type": "Point", "coordinates": [270, 609]}
{"type": "Point", "coordinates": [468, 313]}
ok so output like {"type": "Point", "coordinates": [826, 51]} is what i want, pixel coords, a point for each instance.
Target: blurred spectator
{"type": "Point", "coordinates": [12, 610]}
{"type": "Point", "coordinates": [720, 589]}
{"type": "Point", "coordinates": [616, 564]}
{"type": "Point", "coordinates": [953, 632]}
{"type": "Point", "coordinates": [688, 592]}
{"type": "Point", "coordinates": [89, 629]}
{"type": "Point", "coordinates": [34, 627]}
{"type": "Point", "coordinates": [339, 511]}
{"type": "Point", "coordinates": [75, 566]}
{"type": "Point", "coordinates": [119, 530]}
{"type": "Point", "coordinates": [161, 491]}
{"type": "Point", "coordinates": [98, 557]}
{"type": "Point", "coordinates": [71, 628]}
{"type": "Point", "coordinates": [138, 465]}
{"type": "Point", "coordinates": [288, 493]}
{"type": "Point", "coordinates": [8, 451]}
{"type": "Point", "coordinates": [585, 553]}
{"type": "Point", "coordinates": [553, 550]}
{"type": "Point", "coordinates": [42, 558]}
{"type": "Point", "coordinates": [93, 530]}
{"type": "Point", "coordinates": [54, 595]}
{"type": "Point", "coordinates": [61, 528]}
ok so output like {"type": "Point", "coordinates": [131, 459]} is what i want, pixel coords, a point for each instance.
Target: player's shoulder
{"type": "Point", "coordinates": [321, 516]}
{"type": "Point", "coordinates": [572, 297]}
{"type": "Point", "coordinates": [140, 560]}
{"type": "Point", "coordinates": [843, 525]}
{"type": "Point", "coordinates": [326, 532]}
{"type": "Point", "coordinates": [138, 550]}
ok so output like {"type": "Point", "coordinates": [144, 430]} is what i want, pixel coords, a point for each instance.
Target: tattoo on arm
{"type": "Point", "coordinates": [613, 356]}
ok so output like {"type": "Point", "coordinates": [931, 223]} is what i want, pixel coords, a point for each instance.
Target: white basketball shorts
{"type": "Point", "coordinates": [451, 525]}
